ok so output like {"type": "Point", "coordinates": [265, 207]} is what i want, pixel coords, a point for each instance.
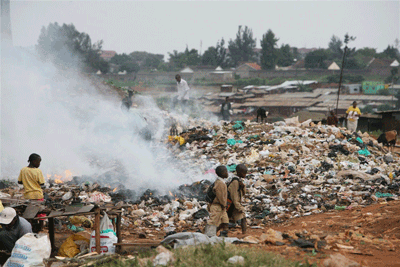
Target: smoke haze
{"type": "Point", "coordinates": [78, 128]}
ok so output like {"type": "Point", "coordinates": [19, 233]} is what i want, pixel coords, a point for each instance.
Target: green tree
{"type": "Point", "coordinates": [296, 54]}
{"type": "Point", "coordinates": [191, 57]}
{"type": "Point", "coordinates": [209, 57]}
{"type": "Point", "coordinates": [335, 47]}
{"type": "Point", "coordinates": [390, 52]}
{"type": "Point", "coordinates": [186, 58]}
{"type": "Point", "coordinates": [366, 52]}
{"type": "Point", "coordinates": [315, 59]}
{"type": "Point", "coordinates": [67, 47]}
{"type": "Point", "coordinates": [125, 63]}
{"type": "Point", "coordinates": [285, 56]}
{"type": "Point", "coordinates": [221, 54]}
{"type": "Point", "coordinates": [241, 49]}
{"type": "Point", "coordinates": [269, 53]}
{"type": "Point", "coordinates": [147, 60]}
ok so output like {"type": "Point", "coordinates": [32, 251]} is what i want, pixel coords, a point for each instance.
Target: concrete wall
{"type": "Point", "coordinates": [165, 77]}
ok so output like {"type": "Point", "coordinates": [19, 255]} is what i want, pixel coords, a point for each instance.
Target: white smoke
{"type": "Point", "coordinates": [78, 126]}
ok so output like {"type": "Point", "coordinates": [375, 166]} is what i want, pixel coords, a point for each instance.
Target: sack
{"type": "Point", "coordinates": [210, 195]}
{"type": "Point", "coordinates": [107, 240]}
{"type": "Point", "coordinates": [30, 250]}
{"type": "Point", "coordinates": [107, 237]}
{"type": "Point", "coordinates": [69, 248]}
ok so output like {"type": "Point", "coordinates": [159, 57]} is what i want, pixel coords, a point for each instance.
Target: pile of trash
{"type": "Point", "coordinates": [295, 169]}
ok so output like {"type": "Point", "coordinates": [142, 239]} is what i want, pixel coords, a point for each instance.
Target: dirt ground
{"type": "Point", "coordinates": [369, 235]}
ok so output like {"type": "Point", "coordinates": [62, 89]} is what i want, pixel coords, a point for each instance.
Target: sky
{"type": "Point", "coordinates": [163, 26]}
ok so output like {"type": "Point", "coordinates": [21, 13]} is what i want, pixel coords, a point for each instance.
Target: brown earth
{"type": "Point", "coordinates": [368, 235]}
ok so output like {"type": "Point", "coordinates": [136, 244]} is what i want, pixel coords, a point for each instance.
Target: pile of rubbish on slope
{"type": "Point", "coordinates": [295, 169]}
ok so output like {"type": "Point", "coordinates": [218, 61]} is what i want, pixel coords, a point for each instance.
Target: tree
{"type": "Point", "coordinates": [269, 54]}
{"type": "Point", "coordinates": [221, 55]}
{"type": "Point", "coordinates": [210, 57]}
{"type": "Point", "coordinates": [181, 59]}
{"type": "Point", "coordinates": [285, 56]}
{"type": "Point", "coordinates": [390, 52]}
{"type": "Point", "coordinates": [241, 49]}
{"type": "Point", "coordinates": [315, 59]}
{"type": "Point", "coordinates": [295, 53]}
{"type": "Point", "coordinates": [147, 60]}
{"type": "Point", "coordinates": [125, 63]}
{"type": "Point", "coordinates": [366, 52]}
{"type": "Point", "coordinates": [67, 47]}
{"type": "Point", "coordinates": [335, 47]}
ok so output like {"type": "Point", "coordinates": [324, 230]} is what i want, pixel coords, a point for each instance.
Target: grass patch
{"type": "Point", "coordinates": [375, 134]}
{"type": "Point", "coordinates": [217, 255]}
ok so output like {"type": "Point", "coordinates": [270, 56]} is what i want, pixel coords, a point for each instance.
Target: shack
{"type": "Point", "coordinates": [390, 120]}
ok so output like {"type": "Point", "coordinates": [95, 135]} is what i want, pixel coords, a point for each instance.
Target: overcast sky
{"type": "Point", "coordinates": [164, 26]}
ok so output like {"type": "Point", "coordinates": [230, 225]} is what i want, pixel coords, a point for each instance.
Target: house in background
{"type": "Point", "coordinates": [372, 87]}
{"type": "Point", "coordinates": [352, 89]}
{"type": "Point", "coordinates": [333, 67]}
{"type": "Point", "coordinates": [107, 55]}
{"type": "Point", "coordinates": [220, 75]}
{"type": "Point", "coordinates": [244, 69]}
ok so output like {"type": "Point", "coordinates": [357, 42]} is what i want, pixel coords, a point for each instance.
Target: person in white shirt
{"type": "Point", "coordinates": [183, 89]}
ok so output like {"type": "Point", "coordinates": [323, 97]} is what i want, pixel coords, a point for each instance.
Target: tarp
{"type": "Point", "coordinates": [194, 239]}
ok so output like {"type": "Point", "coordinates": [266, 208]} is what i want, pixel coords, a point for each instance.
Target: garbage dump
{"type": "Point", "coordinates": [294, 170]}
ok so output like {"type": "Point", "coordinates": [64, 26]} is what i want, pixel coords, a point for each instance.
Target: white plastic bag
{"type": "Point", "coordinates": [105, 223]}
{"type": "Point", "coordinates": [30, 250]}
{"type": "Point", "coordinates": [107, 241]}
{"type": "Point", "coordinates": [107, 237]}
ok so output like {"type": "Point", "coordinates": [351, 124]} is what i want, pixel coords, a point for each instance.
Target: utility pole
{"type": "Point", "coordinates": [340, 80]}
{"type": "Point", "coordinates": [347, 39]}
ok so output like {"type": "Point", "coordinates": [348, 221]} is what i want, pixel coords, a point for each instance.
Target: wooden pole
{"type": "Point", "coordinates": [97, 229]}
{"type": "Point", "coordinates": [119, 234]}
{"type": "Point", "coordinates": [340, 80]}
{"type": "Point", "coordinates": [51, 233]}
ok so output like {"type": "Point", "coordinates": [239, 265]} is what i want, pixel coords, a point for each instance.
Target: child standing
{"type": "Point", "coordinates": [32, 178]}
{"type": "Point", "coordinates": [237, 190]}
{"type": "Point", "coordinates": [217, 209]}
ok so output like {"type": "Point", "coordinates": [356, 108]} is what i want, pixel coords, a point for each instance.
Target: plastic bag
{"type": "Point", "coordinates": [105, 223]}
{"type": "Point", "coordinates": [292, 121]}
{"type": "Point", "coordinates": [364, 152]}
{"type": "Point", "coordinates": [107, 240]}
{"type": "Point", "coordinates": [107, 237]}
{"type": "Point", "coordinates": [69, 248]}
{"type": "Point", "coordinates": [81, 220]}
{"type": "Point", "coordinates": [30, 250]}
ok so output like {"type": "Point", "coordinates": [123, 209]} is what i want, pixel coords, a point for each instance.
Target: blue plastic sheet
{"type": "Point", "coordinates": [364, 152]}
{"type": "Point", "coordinates": [233, 142]}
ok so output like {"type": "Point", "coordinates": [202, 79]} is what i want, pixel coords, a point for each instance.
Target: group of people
{"type": "Point", "coordinates": [353, 113]}
{"type": "Point", "coordinates": [227, 204]}
{"type": "Point", "coordinates": [13, 226]}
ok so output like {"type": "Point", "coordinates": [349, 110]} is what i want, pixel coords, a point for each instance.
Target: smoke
{"type": "Point", "coordinates": [78, 127]}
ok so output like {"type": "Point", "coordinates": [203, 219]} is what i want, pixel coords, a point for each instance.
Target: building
{"type": "Point", "coordinates": [107, 55]}
{"type": "Point", "coordinates": [352, 89]}
{"type": "Point", "coordinates": [220, 75]}
{"type": "Point", "coordinates": [244, 69]}
{"type": "Point", "coordinates": [372, 87]}
{"type": "Point", "coordinates": [390, 120]}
